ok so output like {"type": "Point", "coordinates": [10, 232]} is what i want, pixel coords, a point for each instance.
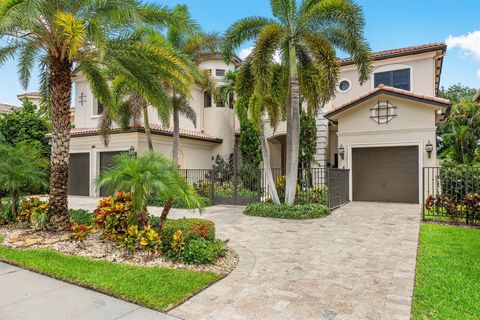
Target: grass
{"type": "Point", "coordinates": [156, 288]}
{"type": "Point", "coordinates": [448, 274]}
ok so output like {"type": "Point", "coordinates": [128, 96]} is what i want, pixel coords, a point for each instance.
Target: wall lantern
{"type": "Point", "coordinates": [131, 151]}
{"type": "Point", "coordinates": [341, 152]}
{"type": "Point", "coordinates": [429, 149]}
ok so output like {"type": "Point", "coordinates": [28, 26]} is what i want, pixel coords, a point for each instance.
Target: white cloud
{"type": "Point", "coordinates": [469, 43]}
{"type": "Point", "coordinates": [245, 52]}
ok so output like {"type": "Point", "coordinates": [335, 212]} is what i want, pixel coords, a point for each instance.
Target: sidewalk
{"type": "Point", "coordinates": [26, 295]}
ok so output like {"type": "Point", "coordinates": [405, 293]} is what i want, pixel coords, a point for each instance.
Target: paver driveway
{"type": "Point", "coordinates": [358, 263]}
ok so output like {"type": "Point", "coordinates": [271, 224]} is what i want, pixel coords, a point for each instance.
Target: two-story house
{"type": "Point", "coordinates": [214, 133]}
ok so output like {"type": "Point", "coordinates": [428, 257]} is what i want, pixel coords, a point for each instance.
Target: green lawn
{"type": "Point", "coordinates": [156, 288]}
{"type": "Point", "coordinates": [448, 274]}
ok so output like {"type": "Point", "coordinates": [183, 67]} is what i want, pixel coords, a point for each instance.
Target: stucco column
{"type": "Point", "coordinates": [322, 140]}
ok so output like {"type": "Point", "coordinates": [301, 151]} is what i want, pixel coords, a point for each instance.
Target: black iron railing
{"type": "Point", "coordinates": [451, 194]}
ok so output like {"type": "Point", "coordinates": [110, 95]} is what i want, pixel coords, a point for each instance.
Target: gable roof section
{"type": "Point", "coordinates": [386, 54]}
{"type": "Point", "coordinates": [155, 129]}
{"type": "Point", "coordinates": [382, 89]}
{"type": "Point", "coordinates": [6, 108]}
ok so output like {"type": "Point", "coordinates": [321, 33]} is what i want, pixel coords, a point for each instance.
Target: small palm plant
{"type": "Point", "coordinates": [22, 167]}
{"type": "Point", "coordinates": [148, 174]}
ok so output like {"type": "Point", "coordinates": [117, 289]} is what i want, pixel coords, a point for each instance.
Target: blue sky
{"type": "Point", "coordinates": [389, 24]}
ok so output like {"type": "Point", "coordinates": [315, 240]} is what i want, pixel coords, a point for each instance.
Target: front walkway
{"type": "Point", "coordinates": [358, 263]}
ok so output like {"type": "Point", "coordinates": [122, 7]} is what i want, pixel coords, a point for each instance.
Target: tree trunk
{"type": "Point", "coordinates": [176, 134]}
{"type": "Point", "coordinates": [60, 89]}
{"type": "Point", "coordinates": [146, 124]}
{"type": "Point", "coordinates": [163, 216]}
{"type": "Point", "coordinates": [293, 131]}
{"type": "Point", "coordinates": [15, 203]}
{"type": "Point", "coordinates": [267, 167]}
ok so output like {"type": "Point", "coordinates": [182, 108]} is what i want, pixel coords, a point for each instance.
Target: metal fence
{"type": "Point", "coordinates": [248, 184]}
{"type": "Point", "coordinates": [451, 194]}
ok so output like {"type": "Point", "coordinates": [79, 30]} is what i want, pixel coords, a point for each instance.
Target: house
{"type": "Point", "coordinates": [383, 131]}
{"type": "Point", "coordinates": [6, 108]}
{"type": "Point", "coordinates": [214, 133]}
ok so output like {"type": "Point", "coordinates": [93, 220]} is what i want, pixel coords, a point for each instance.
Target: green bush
{"type": "Point", "coordinates": [191, 229]}
{"type": "Point", "coordinates": [202, 251]}
{"type": "Point", "coordinates": [157, 201]}
{"type": "Point", "coordinates": [283, 211]}
{"type": "Point", "coordinates": [81, 216]}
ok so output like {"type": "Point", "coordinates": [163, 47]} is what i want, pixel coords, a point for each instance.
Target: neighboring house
{"type": "Point", "coordinates": [34, 97]}
{"type": "Point", "coordinates": [383, 130]}
{"type": "Point", "coordinates": [6, 108]}
{"type": "Point", "coordinates": [213, 135]}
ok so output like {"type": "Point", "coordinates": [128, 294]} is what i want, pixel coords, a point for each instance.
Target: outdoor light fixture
{"type": "Point", "coordinates": [131, 151]}
{"type": "Point", "coordinates": [341, 151]}
{"type": "Point", "coordinates": [429, 149]}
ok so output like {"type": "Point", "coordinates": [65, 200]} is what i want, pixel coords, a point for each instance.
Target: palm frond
{"type": "Point", "coordinates": [26, 61]}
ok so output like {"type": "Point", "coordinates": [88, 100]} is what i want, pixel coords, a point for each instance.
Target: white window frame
{"type": "Point", "coordinates": [349, 85]}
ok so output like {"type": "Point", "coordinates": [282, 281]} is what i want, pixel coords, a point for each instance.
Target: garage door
{"type": "Point", "coordinates": [385, 174]}
{"type": "Point", "coordinates": [79, 174]}
{"type": "Point", "coordinates": [106, 161]}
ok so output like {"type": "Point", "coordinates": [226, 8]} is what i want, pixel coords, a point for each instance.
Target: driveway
{"type": "Point", "coordinates": [357, 263]}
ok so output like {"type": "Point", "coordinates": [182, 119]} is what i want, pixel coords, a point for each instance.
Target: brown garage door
{"type": "Point", "coordinates": [106, 161]}
{"type": "Point", "coordinates": [385, 174]}
{"type": "Point", "coordinates": [79, 174]}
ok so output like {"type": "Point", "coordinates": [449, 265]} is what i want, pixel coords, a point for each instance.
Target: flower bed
{"type": "Point", "coordinates": [445, 208]}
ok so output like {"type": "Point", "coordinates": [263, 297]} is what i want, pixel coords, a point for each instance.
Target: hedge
{"type": "Point", "coordinates": [283, 211]}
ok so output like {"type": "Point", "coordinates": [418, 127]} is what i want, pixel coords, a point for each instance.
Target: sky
{"type": "Point", "coordinates": [390, 24]}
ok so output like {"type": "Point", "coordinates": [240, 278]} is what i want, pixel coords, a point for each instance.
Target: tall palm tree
{"type": "Point", "coordinates": [305, 34]}
{"type": "Point", "coordinates": [75, 36]}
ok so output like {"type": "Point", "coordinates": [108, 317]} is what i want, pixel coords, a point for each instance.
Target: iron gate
{"type": "Point", "coordinates": [338, 187]}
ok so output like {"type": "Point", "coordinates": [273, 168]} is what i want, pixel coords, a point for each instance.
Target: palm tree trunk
{"type": "Point", "coordinates": [176, 134]}
{"type": "Point", "coordinates": [60, 89]}
{"type": "Point", "coordinates": [163, 216]}
{"type": "Point", "coordinates": [148, 132]}
{"type": "Point", "coordinates": [267, 167]}
{"type": "Point", "coordinates": [293, 131]}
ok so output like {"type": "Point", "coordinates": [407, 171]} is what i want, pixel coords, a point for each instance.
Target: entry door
{"type": "Point", "coordinates": [106, 161]}
{"type": "Point", "coordinates": [79, 174]}
{"type": "Point", "coordinates": [385, 174]}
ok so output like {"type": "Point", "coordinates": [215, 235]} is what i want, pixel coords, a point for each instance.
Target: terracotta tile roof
{"type": "Point", "coordinates": [33, 94]}
{"type": "Point", "coordinates": [6, 108]}
{"type": "Point", "coordinates": [155, 128]}
{"type": "Point", "coordinates": [400, 52]}
{"type": "Point", "coordinates": [392, 91]}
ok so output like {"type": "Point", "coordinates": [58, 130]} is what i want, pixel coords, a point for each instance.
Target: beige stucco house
{"type": "Point", "coordinates": [383, 130]}
{"type": "Point", "coordinates": [213, 135]}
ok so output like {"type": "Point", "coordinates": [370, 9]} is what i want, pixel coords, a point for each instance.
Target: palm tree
{"type": "Point", "coordinates": [227, 89]}
{"type": "Point", "coordinates": [305, 34]}
{"type": "Point", "coordinates": [76, 36]}
{"type": "Point", "coordinates": [21, 168]}
{"type": "Point", "coordinates": [148, 174]}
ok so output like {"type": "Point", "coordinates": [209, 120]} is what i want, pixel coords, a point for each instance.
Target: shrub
{"type": "Point", "coordinates": [190, 228]}
{"type": "Point", "coordinates": [112, 215]}
{"type": "Point", "coordinates": [158, 201]}
{"type": "Point", "coordinates": [202, 251]}
{"type": "Point", "coordinates": [34, 211]}
{"type": "Point", "coordinates": [149, 239]}
{"type": "Point", "coordinates": [129, 240]}
{"type": "Point", "coordinates": [443, 205]}
{"type": "Point", "coordinates": [471, 205]}
{"type": "Point", "coordinates": [459, 181]}
{"type": "Point", "coordinates": [203, 188]}
{"type": "Point", "coordinates": [283, 211]}
{"type": "Point", "coordinates": [81, 216]}
{"type": "Point", "coordinates": [80, 231]}
{"type": "Point", "coordinates": [176, 246]}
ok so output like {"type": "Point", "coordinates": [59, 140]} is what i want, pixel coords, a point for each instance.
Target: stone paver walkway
{"type": "Point", "coordinates": [26, 295]}
{"type": "Point", "coordinates": [358, 263]}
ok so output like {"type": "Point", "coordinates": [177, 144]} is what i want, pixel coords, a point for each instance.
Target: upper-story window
{"type": "Point", "coordinates": [207, 100]}
{"type": "Point", "coordinates": [344, 85]}
{"type": "Point", "coordinates": [399, 79]}
{"type": "Point", "coordinates": [219, 72]}
{"type": "Point", "coordinates": [220, 104]}
{"type": "Point", "coordinates": [98, 108]}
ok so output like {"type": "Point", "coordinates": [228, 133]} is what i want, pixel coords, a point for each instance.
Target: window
{"type": "Point", "coordinates": [220, 104]}
{"type": "Point", "coordinates": [207, 100]}
{"type": "Point", "coordinates": [344, 85]}
{"type": "Point", "coordinates": [208, 72]}
{"type": "Point", "coordinates": [231, 101]}
{"type": "Point", "coordinates": [399, 79]}
{"type": "Point", "coordinates": [98, 109]}
{"type": "Point", "coordinates": [219, 72]}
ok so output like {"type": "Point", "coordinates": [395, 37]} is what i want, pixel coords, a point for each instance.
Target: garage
{"type": "Point", "coordinates": [385, 174]}
{"type": "Point", "coordinates": [78, 174]}
{"type": "Point", "coordinates": [106, 161]}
